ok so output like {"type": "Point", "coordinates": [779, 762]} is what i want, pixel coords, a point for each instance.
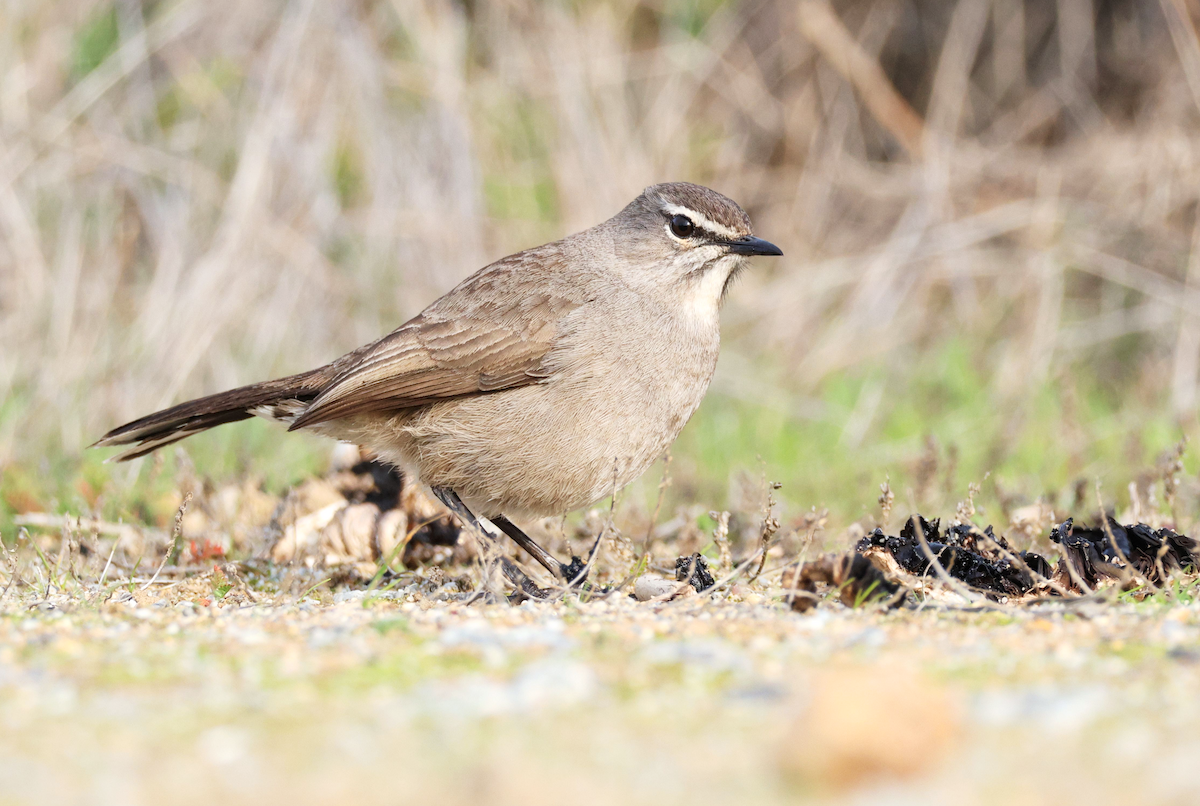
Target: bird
{"type": "Point", "coordinates": [542, 383]}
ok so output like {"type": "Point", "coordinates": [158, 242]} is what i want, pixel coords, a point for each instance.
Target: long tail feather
{"type": "Point", "coordinates": [279, 399]}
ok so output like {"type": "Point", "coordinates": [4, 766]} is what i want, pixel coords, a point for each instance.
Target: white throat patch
{"type": "Point", "coordinates": [703, 299]}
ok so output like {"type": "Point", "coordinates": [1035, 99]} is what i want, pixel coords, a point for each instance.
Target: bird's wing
{"type": "Point", "coordinates": [469, 342]}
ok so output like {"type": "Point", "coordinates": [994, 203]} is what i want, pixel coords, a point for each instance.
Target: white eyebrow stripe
{"type": "Point", "coordinates": [703, 222]}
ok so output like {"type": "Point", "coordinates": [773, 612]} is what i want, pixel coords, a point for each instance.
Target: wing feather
{"type": "Point", "coordinates": [447, 352]}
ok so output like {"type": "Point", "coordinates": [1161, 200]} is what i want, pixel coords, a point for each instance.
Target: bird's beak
{"type": "Point", "coordinates": [753, 246]}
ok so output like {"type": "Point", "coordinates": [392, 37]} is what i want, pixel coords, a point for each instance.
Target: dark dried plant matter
{"type": "Point", "coordinates": [694, 570]}
{"type": "Point", "coordinates": [978, 558]}
{"type": "Point", "coordinates": [1130, 555]}
{"type": "Point", "coordinates": [881, 569]}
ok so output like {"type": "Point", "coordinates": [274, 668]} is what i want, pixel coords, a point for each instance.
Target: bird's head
{"type": "Point", "coordinates": [678, 233]}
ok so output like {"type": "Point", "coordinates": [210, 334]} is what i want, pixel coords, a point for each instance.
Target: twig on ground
{"type": "Point", "coordinates": [43, 520]}
{"type": "Point", "coordinates": [887, 500]}
{"type": "Point", "coordinates": [770, 525]}
{"type": "Point", "coordinates": [10, 559]}
{"type": "Point", "coordinates": [1131, 571]}
{"type": "Point", "coordinates": [721, 540]}
{"type": "Point", "coordinates": [814, 522]}
{"type": "Point", "coordinates": [397, 550]}
{"type": "Point", "coordinates": [663, 484]}
{"type": "Point", "coordinates": [176, 539]}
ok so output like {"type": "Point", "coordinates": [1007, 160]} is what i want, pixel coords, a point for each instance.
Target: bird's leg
{"type": "Point", "coordinates": [574, 573]}
{"type": "Point", "coordinates": [514, 574]}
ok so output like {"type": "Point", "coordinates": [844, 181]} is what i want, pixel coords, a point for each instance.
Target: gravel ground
{"type": "Point", "coordinates": [169, 695]}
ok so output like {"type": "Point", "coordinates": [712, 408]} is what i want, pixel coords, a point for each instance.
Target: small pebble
{"type": "Point", "coordinates": [649, 587]}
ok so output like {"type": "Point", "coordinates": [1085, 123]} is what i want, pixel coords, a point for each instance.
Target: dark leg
{"type": "Point", "coordinates": [514, 574]}
{"type": "Point", "coordinates": [573, 574]}
{"type": "Point", "coordinates": [545, 558]}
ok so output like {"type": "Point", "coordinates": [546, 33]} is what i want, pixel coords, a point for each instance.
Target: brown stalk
{"type": "Point", "coordinates": [824, 29]}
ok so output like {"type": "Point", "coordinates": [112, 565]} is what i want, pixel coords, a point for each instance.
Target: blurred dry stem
{"type": "Point", "coordinates": [821, 25]}
{"type": "Point", "coordinates": [721, 540]}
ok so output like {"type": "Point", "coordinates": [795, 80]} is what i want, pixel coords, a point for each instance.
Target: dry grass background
{"type": "Point", "coordinates": [198, 195]}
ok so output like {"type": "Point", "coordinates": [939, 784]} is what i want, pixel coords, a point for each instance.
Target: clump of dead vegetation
{"type": "Point", "coordinates": [1131, 555]}
{"type": "Point", "coordinates": [965, 562]}
{"type": "Point", "coordinates": [363, 526]}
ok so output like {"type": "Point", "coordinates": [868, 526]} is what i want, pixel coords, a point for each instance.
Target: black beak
{"type": "Point", "coordinates": [753, 246]}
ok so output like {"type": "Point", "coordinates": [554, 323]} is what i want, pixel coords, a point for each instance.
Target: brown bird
{"type": "Point", "coordinates": [540, 384]}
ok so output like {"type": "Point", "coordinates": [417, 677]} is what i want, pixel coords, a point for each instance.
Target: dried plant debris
{"type": "Point", "coordinates": [365, 522]}
{"type": "Point", "coordinates": [1093, 557]}
{"type": "Point", "coordinates": [979, 558]}
{"type": "Point", "coordinates": [1133, 554]}
{"type": "Point", "coordinates": [694, 569]}
{"type": "Point", "coordinates": [692, 576]}
{"type": "Point", "coordinates": [857, 579]}
{"type": "Point", "coordinates": [361, 514]}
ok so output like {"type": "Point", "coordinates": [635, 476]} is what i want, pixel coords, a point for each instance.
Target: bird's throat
{"type": "Point", "coordinates": [707, 288]}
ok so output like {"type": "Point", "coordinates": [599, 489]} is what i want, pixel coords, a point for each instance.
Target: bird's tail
{"type": "Point", "coordinates": [281, 399]}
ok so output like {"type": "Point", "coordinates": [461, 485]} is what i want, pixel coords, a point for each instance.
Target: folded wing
{"type": "Point", "coordinates": [443, 354]}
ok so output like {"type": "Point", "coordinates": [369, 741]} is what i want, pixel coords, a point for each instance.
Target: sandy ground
{"type": "Point", "coordinates": [168, 695]}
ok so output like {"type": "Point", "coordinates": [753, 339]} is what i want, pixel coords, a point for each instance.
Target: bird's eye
{"type": "Point", "coordinates": [682, 226]}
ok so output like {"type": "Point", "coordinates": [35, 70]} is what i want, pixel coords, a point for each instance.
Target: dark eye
{"type": "Point", "coordinates": [682, 226]}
